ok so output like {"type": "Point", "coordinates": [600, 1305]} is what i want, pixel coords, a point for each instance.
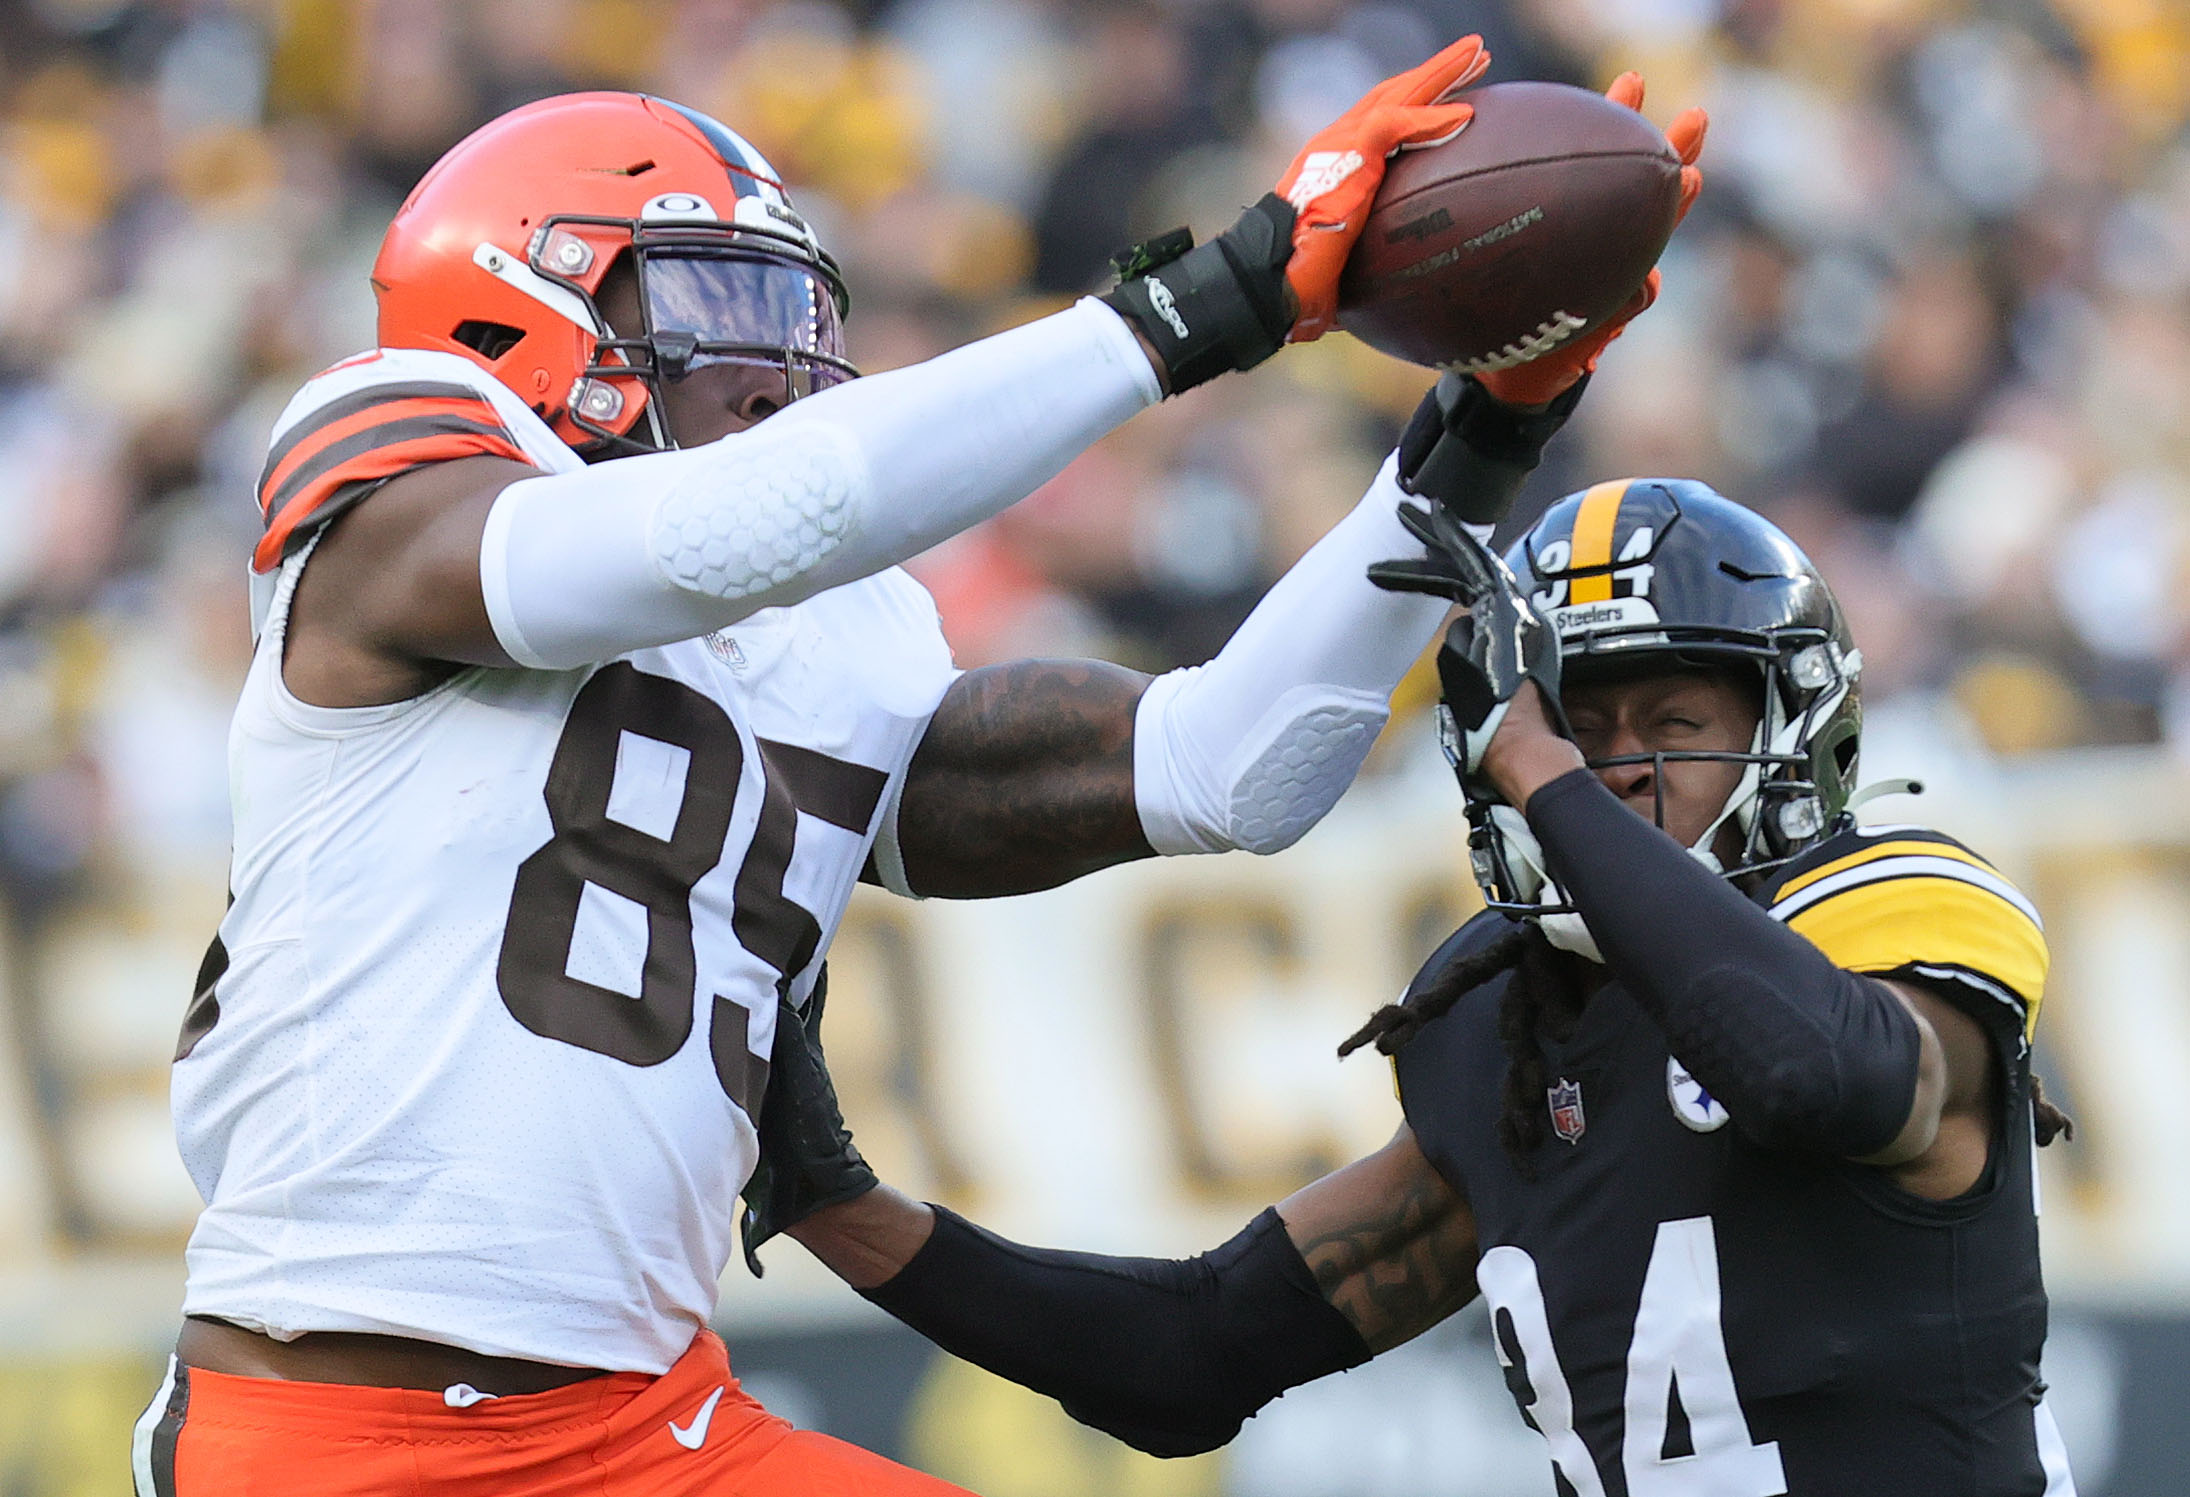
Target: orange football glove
{"type": "Point", "coordinates": [1333, 180]}
{"type": "Point", "coordinates": [1545, 379]}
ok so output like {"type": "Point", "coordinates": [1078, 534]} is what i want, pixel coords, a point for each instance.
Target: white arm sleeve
{"type": "Point", "coordinates": [1253, 748]}
{"type": "Point", "coordinates": [580, 567]}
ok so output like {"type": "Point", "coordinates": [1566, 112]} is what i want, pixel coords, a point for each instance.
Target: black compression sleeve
{"type": "Point", "coordinates": [1168, 1355]}
{"type": "Point", "coordinates": [1803, 1054]}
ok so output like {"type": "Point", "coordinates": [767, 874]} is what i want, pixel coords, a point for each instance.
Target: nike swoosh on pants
{"type": "Point", "coordinates": [694, 1435]}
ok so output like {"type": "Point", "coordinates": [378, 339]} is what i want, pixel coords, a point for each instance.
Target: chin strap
{"type": "Point", "coordinates": [1532, 882]}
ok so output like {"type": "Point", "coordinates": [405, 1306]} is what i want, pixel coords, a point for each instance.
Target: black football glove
{"type": "Point", "coordinates": [1467, 452]}
{"type": "Point", "coordinates": [807, 1157]}
{"type": "Point", "coordinates": [1488, 653]}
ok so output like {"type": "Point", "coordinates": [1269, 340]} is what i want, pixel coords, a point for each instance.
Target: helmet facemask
{"type": "Point", "coordinates": [1686, 581]}
{"type": "Point", "coordinates": [1778, 804]}
{"type": "Point", "coordinates": [708, 294]}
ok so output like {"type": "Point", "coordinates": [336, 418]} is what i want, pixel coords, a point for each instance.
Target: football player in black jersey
{"type": "Point", "coordinates": [1725, 1104]}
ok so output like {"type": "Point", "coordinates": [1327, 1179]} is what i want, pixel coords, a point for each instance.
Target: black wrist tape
{"type": "Point", "coordinates": [1471, 453]}
{"type": "Point", "coordinates": [1805, 1056]}
{"type": "Point", "coordinates": [1212, 308]}
{"type": "Point", "coordinates": [1168, 1355]}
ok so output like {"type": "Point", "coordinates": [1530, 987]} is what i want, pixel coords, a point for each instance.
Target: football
{"type": "Point", "coordinates": [1533, 224]}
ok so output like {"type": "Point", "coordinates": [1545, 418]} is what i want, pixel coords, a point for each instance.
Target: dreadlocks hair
{"type": "Point", "coordinates": [2051, 1122]}
{"type": "Point", "coordinates": [1543, 997]}
{"type": "Point", "coordinates": [1393, 1025]}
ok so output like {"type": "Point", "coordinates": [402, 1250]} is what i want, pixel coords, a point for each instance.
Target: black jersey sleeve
{"type": "Point", "coordinates": [1805, 1054]}
{"type": "Point", "coordinates": [1169, 1355]}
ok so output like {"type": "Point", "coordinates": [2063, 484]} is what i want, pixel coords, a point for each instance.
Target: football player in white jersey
{"type": "Point", "coordinates": [585, 689]}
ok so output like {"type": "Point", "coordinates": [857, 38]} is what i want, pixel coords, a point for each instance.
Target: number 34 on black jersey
{"type": "Point", "coordinates": [1684, 1313]}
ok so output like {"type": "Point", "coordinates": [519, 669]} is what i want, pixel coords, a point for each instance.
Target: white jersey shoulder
{"type": "Point", "coordinates": [386, 377]}
{"type": "Point", "coordinates": [503, 961]}
{"type": "Point", "coordinates": [392, 369]}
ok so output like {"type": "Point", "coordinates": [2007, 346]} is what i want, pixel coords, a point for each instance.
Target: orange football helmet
{"type": "Point", "coordinates": [499, 253]}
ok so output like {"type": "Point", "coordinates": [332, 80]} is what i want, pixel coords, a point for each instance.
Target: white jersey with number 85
{"type": "Point", "coordinates": [473, 1056]}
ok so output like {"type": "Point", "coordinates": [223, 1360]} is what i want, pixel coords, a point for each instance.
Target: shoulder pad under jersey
{"type": "Point", "coordinates": [372, 417]}
{"type": "Point", "coordinates": [1907, 899]}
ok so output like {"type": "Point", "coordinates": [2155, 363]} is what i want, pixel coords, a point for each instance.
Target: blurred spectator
{"type": "Point", "coordinates": [1141, 108]}
{"type": "Point", "coordinates": [1935, 356]}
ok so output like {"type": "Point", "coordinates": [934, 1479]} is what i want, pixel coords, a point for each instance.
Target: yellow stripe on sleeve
{"type": "Point", "coordinates": [1877, 850]}
{"type": "Point", "coordinates": [1594, 523]}
{"type": "Point", "coordinates": [1931, 921]}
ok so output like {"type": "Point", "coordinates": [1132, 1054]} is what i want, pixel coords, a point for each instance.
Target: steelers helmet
{"type": "Point", "coordinates": [1646, 574]}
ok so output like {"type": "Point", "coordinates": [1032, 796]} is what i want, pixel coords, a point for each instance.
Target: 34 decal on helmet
{"type": "Point", "coordinates": [1598, 575]}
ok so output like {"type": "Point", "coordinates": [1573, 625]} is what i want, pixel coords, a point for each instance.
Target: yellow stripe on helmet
{"type": "Point", "coordinates": [1594, 523]}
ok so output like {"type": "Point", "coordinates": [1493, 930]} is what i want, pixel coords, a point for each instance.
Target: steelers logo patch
{"type": "Point", "coordinates": [1696, 1108]}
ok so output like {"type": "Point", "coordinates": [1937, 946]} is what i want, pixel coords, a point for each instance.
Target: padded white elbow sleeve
{"type": "Point", "coordinates": [751, 522]}
{"type": "Point", "coordinates": [1253, 748]}
{"type": "Point", "coordinates": [583, 566]}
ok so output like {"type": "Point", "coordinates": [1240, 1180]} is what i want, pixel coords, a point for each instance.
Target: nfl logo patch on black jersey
{"type": "Point", "coordinates": [1566, 1110]}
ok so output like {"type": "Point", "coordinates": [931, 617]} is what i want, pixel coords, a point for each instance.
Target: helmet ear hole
{"type": "Point", "coordinates": [490, 340]}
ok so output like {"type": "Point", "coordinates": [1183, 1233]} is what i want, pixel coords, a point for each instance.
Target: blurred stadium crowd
{"type": "Point", "coordinates": [1933, 314]}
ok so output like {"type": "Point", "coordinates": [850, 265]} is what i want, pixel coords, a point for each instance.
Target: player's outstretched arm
{"type": "Point", "coordinates": [495, 564]}
{"type": "Point", "coordinates": [489, 561]}
{"type": "Point", "coordinates": [1036, 772]}
{"type": "Point", "coordinates": [1391, 1244]}
{"type": "Point", "coordinates": [1169, 1355]}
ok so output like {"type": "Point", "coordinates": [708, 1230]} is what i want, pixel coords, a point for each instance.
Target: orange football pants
{"type": "Point", "coordinates": [692, 1432]}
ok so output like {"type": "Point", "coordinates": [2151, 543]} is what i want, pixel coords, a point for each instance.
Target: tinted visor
{"type": "Point", "coordinates": [742, 307]}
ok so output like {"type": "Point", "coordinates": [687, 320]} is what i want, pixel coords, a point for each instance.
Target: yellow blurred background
{"type": "Point", "coordinates": [1932, 315]}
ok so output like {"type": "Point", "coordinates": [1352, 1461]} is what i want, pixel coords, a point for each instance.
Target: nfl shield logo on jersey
{"type": "Point", "coordinates": [1696, 1108]}
{"type": "Point", "coordinates": [1566, 1110]}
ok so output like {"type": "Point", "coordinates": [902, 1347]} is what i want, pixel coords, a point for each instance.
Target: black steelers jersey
{"type": "Point", "coordinates": [1683, 1313]}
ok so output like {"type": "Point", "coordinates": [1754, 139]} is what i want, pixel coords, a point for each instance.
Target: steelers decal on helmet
{"type": "Point", "coordinates": [1599, 575]}
{"type": "Point", "coordinates": [329, 456]}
